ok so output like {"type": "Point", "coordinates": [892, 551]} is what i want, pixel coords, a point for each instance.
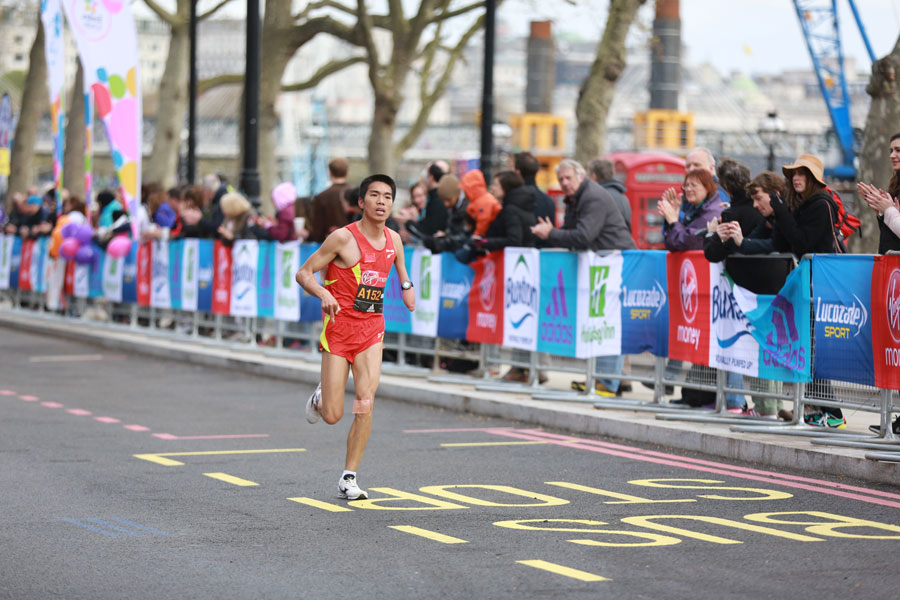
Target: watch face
{"type": "Point", "coordinates": [406, 285]}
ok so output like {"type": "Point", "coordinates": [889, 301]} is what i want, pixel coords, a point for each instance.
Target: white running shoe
{"type": "Point", "coordinates": [348, 488]}
{"type": "Point", "coordinates": [312, 405]}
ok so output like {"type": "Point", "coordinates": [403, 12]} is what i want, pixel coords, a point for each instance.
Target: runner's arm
{"type": "Point", "coordinates": [321, 258]}
{"type": "Point", "coordinates": [409, 296]}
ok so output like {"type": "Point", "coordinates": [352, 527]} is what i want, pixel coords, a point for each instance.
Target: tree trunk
{"type": "Point", "coordinates": [73, 159]}
{"type": "Point", "coordinates": [596, 94]}
{"type": "Point", "coordinates": [35, 103]}
{"type": "Point", "coordinates": [162, 166]}
{"type": "Point", "coordinates": [381, 135]}
{"type": "Point", "coordinates": [874, 157]}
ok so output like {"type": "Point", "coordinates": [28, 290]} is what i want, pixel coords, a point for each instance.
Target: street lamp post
{"type": "Point", "coordinates": [770, 131]}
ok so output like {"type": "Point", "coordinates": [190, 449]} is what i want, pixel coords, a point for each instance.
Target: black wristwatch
{"type": "Point", "coordinates": [406, 285]}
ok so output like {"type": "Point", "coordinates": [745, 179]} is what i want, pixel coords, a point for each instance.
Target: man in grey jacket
{"type": "Point", "coordinates": [602, 171]}
{"type": "Point", "coordinates": [592, 222]}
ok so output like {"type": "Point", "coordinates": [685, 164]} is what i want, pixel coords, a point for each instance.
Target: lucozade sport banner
{"type": "Point", "coordinates": [688, 282]}
{"type": "Point", "coordinates": [886, 321]}
{"type": "Point", "coordinates": [486, 300]}
{"type": "Point", "coordinates": [54, 51]}
{"type": "Point", "coordinates": [176, 265]}
{"type": "Point", "coordinates": [520, 294]}
{"type": "Point", "coordinates": [645, 310]}
{"type": "Point", "coordinates": [456, 281]}
{"type": "Point", "coordinates": [106, 37]}
{"type": "Point", "coordinates": [599, 331]}
{"type": "Point", "coordinates": [310, 306]}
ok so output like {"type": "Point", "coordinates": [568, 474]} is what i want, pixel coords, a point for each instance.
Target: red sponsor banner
{"type": "Point", "coordinates": [688, 277]}
{"type": "Point", "coordinates": [486, 300]}
{"type": "Point", "coordinates": [886, 321]}
{"type": "Point", "coordinates": [69, 282]}
{"type": "Point", "coordinates": [144, 273]}
{"type": "Point", "coordinates": [221, 292]}
{"type": "Point", "coordinates": [25, 265]}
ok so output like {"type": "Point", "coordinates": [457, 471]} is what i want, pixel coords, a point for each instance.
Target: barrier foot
{"type": "Point", "coordinates": [884, 456]}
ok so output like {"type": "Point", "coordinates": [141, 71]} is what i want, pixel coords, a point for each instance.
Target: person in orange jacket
{"type": "Point", "coordinates": [483, 207]}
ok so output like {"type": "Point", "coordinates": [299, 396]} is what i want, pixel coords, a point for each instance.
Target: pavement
{"type": "Point", "coordinates": [633, 421]}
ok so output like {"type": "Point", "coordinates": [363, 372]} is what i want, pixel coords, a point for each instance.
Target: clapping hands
{"type": "Point", "coordinates": [877, 199]}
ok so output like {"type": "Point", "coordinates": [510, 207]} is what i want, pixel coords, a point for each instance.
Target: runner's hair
{"type": "Point", "coordinates": [380, 177]}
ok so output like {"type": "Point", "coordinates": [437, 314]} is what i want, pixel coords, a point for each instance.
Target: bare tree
{"type": "Point", "coordinates": [73, 158]}
{"type": "Point", "coordinates": [173, 91]}
{"type": "Point", "coordinates": [35, 103]}
{"type": "Point", "coordinates": [881, 123]}
{"type": "Point", "coordinates": [596, 94]}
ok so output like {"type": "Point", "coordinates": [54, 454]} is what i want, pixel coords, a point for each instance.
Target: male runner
{"type": "Point", "coordinates": [359, 258]}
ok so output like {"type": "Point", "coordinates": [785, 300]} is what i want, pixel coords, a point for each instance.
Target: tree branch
{"type": "Point", "coordinates": [323, 72]}
{"type": "Point", "coordinates": [365, 27]}
{"type": "Point", "coordinates": [213, 10]}
{"type": "Point", "coordinates": [444, 15]}
{"type": "Point", "coordinates": [324, 4]}
{"type": "Point", "coordinates": [164, 15]}
{"type": "Point", "coordinates": [206, 85]}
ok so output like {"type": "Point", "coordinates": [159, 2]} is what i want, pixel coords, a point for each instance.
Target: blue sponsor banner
{"type": "Point", "coordinates": [781, 326]}
{"type": "Point", "coordinates": [558, 303]}
{"type": "Point", "coordinates": [129, 276]}
{"type": "Point", "coordinates": [842, 310]}
{"type": "Point", "coordinates": [310, 306]}
{"type": "Point", "coordinates": [95, 278]}
{"type": "Point", "coordinates": [39, 258]}
{"type": "Point", "coordinates": [15, 262]}
{"type": "Point", "coordinates": [397, 318]}
{"type": "Point", "coordinates": [204, 275]}
{"type": "Point", "coordinates": [265, 278]}
{"type": "Point", "coordinates": [645, 311]}
{"type": "Point", "coordinates": [453, 312]}
{"type": "Point", "coordinates": [176, 258]}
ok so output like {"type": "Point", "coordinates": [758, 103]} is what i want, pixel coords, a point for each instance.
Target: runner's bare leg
{"type": "Point", "coordinates": [335, 370]}
{"type": "Point", "coordinates": [366, 377]}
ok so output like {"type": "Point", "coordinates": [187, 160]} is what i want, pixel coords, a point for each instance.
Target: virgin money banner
{"type": "Point", "coordinates": [645, 310]}
{"type": "Point", "coordinates": [287, 292]}
{"type": "Point", "coordinates": [6, 255]}
{"type": "Point", "coordinates": [886, 321]}
{"type": "Point", "coordinates": [520, 293]}
{"type": "Point", "coordinates": [557, 318]}
{"type": "Point", "coordinates": [486, 301]}
{"type": "Point", "coordinates": [265, 280]}
{"type": "Point", "coordinates": [599, 305]}
{"type": "Point", "coordinates": [688, 282]}
{"type": "Point", "coordinates": [190, 269]}
{"type": "Point", "coordinates": [842, 287]}
{"type": "Point", "coordinates": [426, 278]}
{"type": "Point", "coordinates": [54, 50]}
{"type": "Point", "coordinates": [397, 318]}
{"type": "Point", "coordinates": [160, 289]}
{"type": "Point", "coordinates": [176, 266]}
{"type": "Point", "coordinates": [144, 273]}
{"type": "Point", "coordinates": [731, 346]}
{"type": "Point", "coordinates": [244, 265]}
{"type": "Point", "coordinates": [106, 38]}
{"type": "Point", "coordinates": [113, 278]}
{"type": "Point", "coordinates": [456, 282]}
{"type": "Point", "coordinates": [25, 269]}
{"type": "Point", "coordinates": [221, 282]}
{"type": "Point", "coordinates": [310, 306]}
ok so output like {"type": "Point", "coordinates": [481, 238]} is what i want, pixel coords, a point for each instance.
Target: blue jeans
{"type": "Point", "coordinates": [609, 364]}
{"type": "Point", "coordinates": [735, 380]}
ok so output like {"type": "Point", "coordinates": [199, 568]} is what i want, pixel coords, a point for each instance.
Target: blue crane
{"type": "Point", "coordinates": [821, 29]}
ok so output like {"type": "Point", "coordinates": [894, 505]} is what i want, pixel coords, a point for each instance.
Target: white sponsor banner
{"type": "Point", "coordinates": [113, 278]}
{"type": "Point", "coordinates": [6, 249]}
{"type": "Point", "coordinates": [287, 292]}
{"type": "Point", "coordinates": [731, 345]}
{"type": "Point", "coordinates": [599, 322]}
{"type": "Point", "coordinates": [521, 292]}
{"type": "Point", "coordinates": [56, 277]}
{"type": "Point", "coordinates": [244, 264]}
{"type": "Point", "coordinates": [81, 282]}
{"type": "Point", "coordinates": [190, 267]}
{"type": "Point", "coordinates": [426, 278]}
{"type": "Point", "coordinates": [160, 289]}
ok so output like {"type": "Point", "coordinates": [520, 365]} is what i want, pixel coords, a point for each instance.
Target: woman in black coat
{"type": "Point", "coordinates": [512, 226]}
{"type": "Point", "coordinates": [804, 219]}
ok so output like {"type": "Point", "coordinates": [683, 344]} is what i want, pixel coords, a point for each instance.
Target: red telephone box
{"type": "Point", "coordinates": [646, 176]}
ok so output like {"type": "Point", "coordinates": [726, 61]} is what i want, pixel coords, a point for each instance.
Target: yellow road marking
{"type": "Point", "coordinates": [159, 457]}
{"type": "Point", "coordinates": [231, 479]}
{"type": "Point", "coordinates": [431, 535]}
{"type": "Point", "coordinates": [561, 570]}
{"type": "Point", "coordinates": [493, 444]}
{"type": "Point", "coordinates": [319, 504]}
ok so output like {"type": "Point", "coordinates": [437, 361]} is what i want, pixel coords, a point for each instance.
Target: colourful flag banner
{"type": "Point", "coordinates": [456, 282]}
{"type": "Point", "coordinates": [599, 321]}
{"type": "Point", "coordinates": [25, 266]}
{"type": "Point", "coordinates": [557, 318]}
{"type": "Point", "coordinates": [886, 321]}
{"type": "Point", "coordinates": [55, 52]}
{"type": "Point", "coordinates": [244, 265]}
{"type": "Point", "coordinates": [486, 300]}
{"type": "Point", "coordinates": [520, 294]}
{"type": "Point", "coordinates": [645, 311]}
{"type": "Point", "coordinates": [426, 278]}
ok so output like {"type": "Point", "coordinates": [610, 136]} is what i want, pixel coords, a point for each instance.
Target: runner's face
{"type": "Point", "coordinates": [378, 201]}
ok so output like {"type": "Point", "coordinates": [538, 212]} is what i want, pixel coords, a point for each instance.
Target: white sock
{"type": "Point", "coordinates": [346, 472]}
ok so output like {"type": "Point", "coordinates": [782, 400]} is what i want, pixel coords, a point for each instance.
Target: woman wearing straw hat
{"type": "Point", "coordinates": [886, 205]}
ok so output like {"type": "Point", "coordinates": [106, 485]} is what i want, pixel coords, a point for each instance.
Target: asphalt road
{"type": "Point", "coordinates": [123, 476]}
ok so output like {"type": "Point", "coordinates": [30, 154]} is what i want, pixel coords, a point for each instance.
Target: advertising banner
{"type": "Point", "coordinates": [688, 283]}
{"type": "Point", "coordinates": [81, 284]}
{"type": "Point", "coordinates": [95, 282]}
{"type": "Point", "coordinates": [645, 310]}
{"type": "Point", "coordinates": [557, 319]}
{"type": "Point", "coordinates": [244, 264]}
{"type": "Point", "coordinates": [25, 270]}
{"type": "Point", "coordinates": [129, 275]}
{"type": "Point", "coordinates": [426, 278]}
{"type": "Point", "coordinates": [287, 291]}
{"type": "Point", "coordinates": [520, 293]}
{"type": "Point", "coordinates": [486, 300]}
{"type": "Point", "coordinates": [42, 253]}
{"type": "Point", "coordinates": [397, 318]}
{"type": "Point", "coordinates": [310, 306]}
{"type": "Point", "coordinates": [176, 266]}
{"type": "Point", "coordinates": [731, 345]}
{"type": "Point", "coordinates": [456, 281]}
{"type": "Point", "coordinates": [6, 254]}
{"type": "Point", "coordinates": [842, 286]}
{"type": "Point", "coordinates": [144, 273]}
{"type": "Point", "coordinates": [205, 270]}
{"type": "Point", "coordinates": [113, 278]}
{"type": "Point", "coordinates": [56, 276]}
{"type": "Point", "coordinates": [265, 280]}
{"type": "Point", "coordinates": [221, 283]}
{"type": "Point", "coordinates": [69, 281]}
{"type": "Point", "coordinates": [190, 270]}
{"type": "Point", "coordinates": [160, 290]}
{"type": "Point", "coordinates": [886, 321]}
{"type": "Point", "coordinates": [599, 322]}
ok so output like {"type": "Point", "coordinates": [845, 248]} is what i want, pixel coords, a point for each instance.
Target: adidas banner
{"type": "Point", "coordinates": [558, 303]}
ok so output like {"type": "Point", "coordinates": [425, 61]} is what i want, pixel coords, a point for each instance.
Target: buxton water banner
{"type": "Point", "coordinates": [599, 331]}
{"type": "Point", "coordinates": [456, 281]}
{"type": "Point", "coordinates": [426, 278]}
{"type": "Point", "coordinates": [486, 300]}
{"type": "Point", "coordinates": [160, 290]}
{"type": "Point", "coordinates": [81, 281]}
{"type": "Point", "coordinates": [265, 278]}
{"type": "Point", "coordinates": [520, 294]}
{"type": "Point", "coordinates": [841, 290]}
{"type": "Point", "coordinates": [645, 311]}
{"type": "Point", "coordinates": [886, 320]}
{"type": "Point", "coordinates": [688, 282]}
{"type": "Point", "coordinates": [731, 345]}
{"type": "Point", "coordinates": [310, 306]}
{"type": "Point", "coordinates": [244, 269]}
{"type": "Point", "coordinates": [397, 318]}
{"type": "Point", "coordinates": [287, 292]}
{"type": "Point", "coordinates": [557, 318]}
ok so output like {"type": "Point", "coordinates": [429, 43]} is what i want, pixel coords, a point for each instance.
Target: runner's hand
{"type": "Point", "coordinates": [409, 299]}
{"type": "Point", "coordinates": [330, 306]}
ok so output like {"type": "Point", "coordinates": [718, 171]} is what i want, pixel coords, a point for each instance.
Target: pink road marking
{"type": "Point", "coordinates": [7, 393]}
{"type": "Point", "coordinates": [78, 412]}
{"type": "Point", "coordinates": [137, 428]}
{"type": "Point", "coordinates": [52, 404]}
{"type": "Point", "coordinates": [29, 398]}
{"type": "Point", "coordinates": [678, 462]}
{"type": "Point", "coordinates": [169, 436]}
{"type": "Point", "coordinates": [487, 429]}
{"type": "Point", "coordinates": [698, 461]}
{"type": "Point", "coordinates": [107, 419]}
